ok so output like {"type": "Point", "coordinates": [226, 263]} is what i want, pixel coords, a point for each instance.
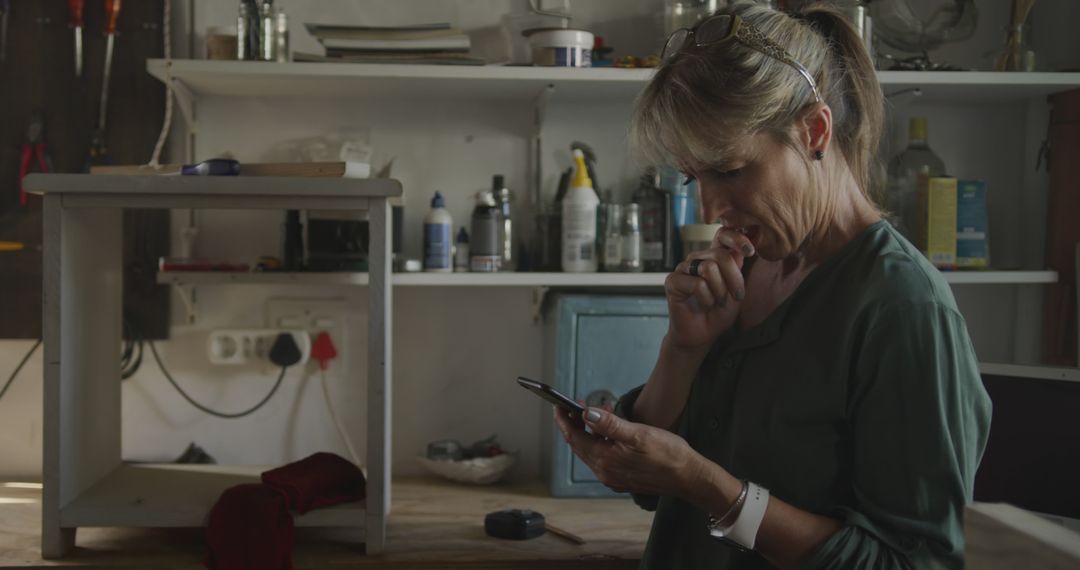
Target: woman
{"type": "Point", "coordinates": [816, 402]}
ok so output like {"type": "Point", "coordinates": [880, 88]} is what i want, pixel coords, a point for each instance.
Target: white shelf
{"type": "Point", "coordinates": [170, 495]}
{"type": "Point", "coordinates": [418, 279]}
{"type": "Point", "coordinates": [399, 82]}
{"type": "Point", "coordinates": [606, 280]}
{"type": "Point", "coordinates": [523, 84]}
{"type": "Point", "coordinates": [1030, 371]}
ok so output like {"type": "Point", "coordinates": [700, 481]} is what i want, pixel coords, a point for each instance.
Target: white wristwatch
{"type": "Point", "coordinates": [742, 533]}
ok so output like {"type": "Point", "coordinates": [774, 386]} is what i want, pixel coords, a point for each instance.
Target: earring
{"type": "Point", "coordinates": [819, 155]}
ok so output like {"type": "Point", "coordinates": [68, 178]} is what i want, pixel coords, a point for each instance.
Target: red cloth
{"type": "Point", "coordinates": [250, 528]}
{"type": "Point", "coordinates": [321, 480]}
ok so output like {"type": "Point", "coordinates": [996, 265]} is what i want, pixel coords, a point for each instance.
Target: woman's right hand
{"type": "Point", "coordinates": [701, 308]}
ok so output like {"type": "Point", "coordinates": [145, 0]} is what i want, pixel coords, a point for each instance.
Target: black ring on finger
{"type": "Point", "coordinates": [694, 267]}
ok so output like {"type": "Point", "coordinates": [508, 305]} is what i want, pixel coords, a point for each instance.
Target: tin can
{"type": "Point", "coordinates": [485, 245]}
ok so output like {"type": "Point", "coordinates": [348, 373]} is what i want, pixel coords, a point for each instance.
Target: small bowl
{"type": "Point", "coordinates": [477, 471]}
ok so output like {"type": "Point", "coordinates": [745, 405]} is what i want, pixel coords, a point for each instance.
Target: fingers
{"type": "Point", "coordinates": [583, 444]}
{"type": "Point", "coordinates": [607, 424]}
{"type": "Point", "coordinates": [684, 286]}
{"type": "Point", "coordinates": [733, 240]}
{"type": "Point", "coordinates": [718, 277]}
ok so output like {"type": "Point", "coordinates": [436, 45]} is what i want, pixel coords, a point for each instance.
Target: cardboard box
{"type": "Point", "coordinates": [972, 225]}
{"type": "Point", "coordinates": [936, 236]}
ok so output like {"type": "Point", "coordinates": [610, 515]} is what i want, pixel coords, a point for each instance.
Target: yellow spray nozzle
{"type": "Point", "coordinates": [581, 175]}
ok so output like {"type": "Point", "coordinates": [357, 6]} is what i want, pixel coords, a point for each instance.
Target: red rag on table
{"type": "Point", "coordinates": [320, 480]}
{"type": "Point", "coordinates": [250, 527]}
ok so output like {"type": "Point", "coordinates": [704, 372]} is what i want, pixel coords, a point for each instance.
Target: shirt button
{"type": "Point", "coordinates": [727, 362]}
{"type": "Point", "coordinates": [714, 423]}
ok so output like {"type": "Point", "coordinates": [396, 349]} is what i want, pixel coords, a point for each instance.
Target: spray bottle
{"type": "Point", "coordinates": [579, 222]}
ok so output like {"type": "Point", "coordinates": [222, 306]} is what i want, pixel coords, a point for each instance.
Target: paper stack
{"type": "Point", "coordinates": [425, 43]}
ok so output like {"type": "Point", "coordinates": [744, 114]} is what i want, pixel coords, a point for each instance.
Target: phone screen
{"type": "Point", "coordinates": [551, 395]}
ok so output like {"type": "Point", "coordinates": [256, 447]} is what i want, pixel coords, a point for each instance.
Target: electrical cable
{"type": "Point", "coordinates": [19, 368]}
{"type": "Point", "coordinates": [337, 421]}
{"type": "Point", "coordinates": [167, 123]}
{"type": "Point", "coordinates": [131, 355]}
{"type": "Point", "coordinates": [253, 409]}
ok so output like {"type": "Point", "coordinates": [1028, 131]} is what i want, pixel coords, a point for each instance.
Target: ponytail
{"type": "Point", "coordinates": [856, 101]}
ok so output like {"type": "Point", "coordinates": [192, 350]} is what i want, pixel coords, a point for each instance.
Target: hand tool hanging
{"type": "Point", "coordinates": [5, 9]}
{"type": "Point", "coordinates": [33, 147]}
{"type": "Point", "coordinates": [98, 150]}
{"type": "Point", "coordinates": [76, 7]}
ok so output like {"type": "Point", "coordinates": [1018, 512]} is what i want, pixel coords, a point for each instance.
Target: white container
{"type": "Point", "coordinates": [579, 222]}
{"type": "Point", "coordinates": [560, 47]}
{"type": "Point", "coordinates": [698, 237]}
{"type": "Point", "coordinates": [438, 236]}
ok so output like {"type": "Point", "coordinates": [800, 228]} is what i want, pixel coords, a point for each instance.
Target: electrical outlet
{"type": "Point", "coordinates": [252, 346]}
{"type": "Point", "coordinates": [313, 316]}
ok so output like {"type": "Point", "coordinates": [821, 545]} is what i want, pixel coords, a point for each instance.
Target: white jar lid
{"type": "Point", "coordinates": [559, 37]}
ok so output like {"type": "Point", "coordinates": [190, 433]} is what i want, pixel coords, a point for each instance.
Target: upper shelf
{"type": "Point", "coordinates": [506, 83]}
{"type": "Point", "coordinates": [602, 280]}
{"type": "Point", "coordinates": [250, 192]}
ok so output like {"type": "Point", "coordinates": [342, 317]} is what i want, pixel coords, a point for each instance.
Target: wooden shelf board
{"type": "Point", "coordinates": [174, 495]}
{"type": "Point", "coordinates": [612, 280]}
{"type": "Point", "coordinates": [523, 84]}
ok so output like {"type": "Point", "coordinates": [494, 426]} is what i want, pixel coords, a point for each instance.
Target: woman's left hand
{"type": "Point", "coordinates": [628, 456]}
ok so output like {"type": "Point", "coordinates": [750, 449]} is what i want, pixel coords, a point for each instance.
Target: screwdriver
{"type": "Point", "coordinates": [112, 13]}
{"type": "Point", "coordinates": [5, 8]}
{"type": "Point", "coordinates": [76, 7]}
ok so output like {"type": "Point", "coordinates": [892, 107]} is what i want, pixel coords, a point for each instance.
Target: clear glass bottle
{"type": "Point", "coordinates": [906, 171]}
{"type": "Point", "coordinates": [503, 197]}
{"type": "Point", "coordinates": [631, 239]}
{"type": "Point", "coordinates": [612, 226]}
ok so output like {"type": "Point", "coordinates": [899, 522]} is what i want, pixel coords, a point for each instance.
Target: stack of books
{"type": "Point", "coordinates": [426, 43]}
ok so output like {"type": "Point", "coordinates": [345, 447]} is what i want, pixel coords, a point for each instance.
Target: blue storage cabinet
{"type": "Point", "coordinates": [597, 347]}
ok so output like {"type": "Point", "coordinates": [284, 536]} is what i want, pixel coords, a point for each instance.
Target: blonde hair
{"type": "Point", "coordinates": [704, 100]}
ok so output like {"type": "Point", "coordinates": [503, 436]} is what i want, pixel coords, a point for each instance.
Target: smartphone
{"type": "Point", "coordinates": [551, 394]}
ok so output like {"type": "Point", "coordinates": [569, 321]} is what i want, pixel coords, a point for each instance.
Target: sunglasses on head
{"type": "Point", "coordinates": [724, 28]}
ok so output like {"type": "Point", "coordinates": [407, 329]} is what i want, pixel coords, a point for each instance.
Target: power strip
{"type": "Point", "coordinates": [232, 347]}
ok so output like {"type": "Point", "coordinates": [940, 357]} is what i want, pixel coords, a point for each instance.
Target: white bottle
{"type": "Point", "coordinates": [437, 237]}
{"type": "Point", "coordinates": [579, 222]}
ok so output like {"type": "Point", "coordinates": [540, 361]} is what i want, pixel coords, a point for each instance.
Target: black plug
{"type": "Point", "coordinates": [284, 352]}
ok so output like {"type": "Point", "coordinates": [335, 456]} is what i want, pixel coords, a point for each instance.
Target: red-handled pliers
{"type": "Point", "coordinates": [34, 146]}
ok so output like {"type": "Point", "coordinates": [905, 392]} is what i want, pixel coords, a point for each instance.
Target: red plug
{"type": "Point", "coordinates": [323, 350]}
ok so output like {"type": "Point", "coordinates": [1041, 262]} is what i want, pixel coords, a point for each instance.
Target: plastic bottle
{"type": "Point", "coordinates": [461, 251]}
{"type": "Point", "coordinates": [485, 248]}
{"type": "Point", "coordinates": [579, 222]}
{"type": "Point", "coordinates": [438, 226]}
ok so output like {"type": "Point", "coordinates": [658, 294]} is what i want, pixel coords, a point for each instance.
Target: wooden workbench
{"type": "Point", "coordinates": [432, 525]}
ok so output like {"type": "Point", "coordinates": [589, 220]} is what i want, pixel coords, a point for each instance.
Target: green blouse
{"type": "Point", "coordinates": [858, 398]}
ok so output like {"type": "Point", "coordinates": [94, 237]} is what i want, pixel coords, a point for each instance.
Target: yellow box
{"type": "Point", "coordinates": [937, 220]}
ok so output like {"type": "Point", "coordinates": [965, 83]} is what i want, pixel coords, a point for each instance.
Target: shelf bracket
{"type": "Point", "coordinates": [539, 295]}
{"type": "Point", "coordinates": [187, 297]}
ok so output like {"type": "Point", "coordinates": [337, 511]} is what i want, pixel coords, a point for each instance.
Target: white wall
{"type": "Point", "coordinates": [456, 351]}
